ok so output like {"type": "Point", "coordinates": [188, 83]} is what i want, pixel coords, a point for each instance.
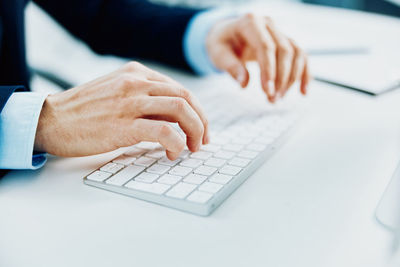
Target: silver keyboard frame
{"type": "Point", "coordinates": [208, 207]}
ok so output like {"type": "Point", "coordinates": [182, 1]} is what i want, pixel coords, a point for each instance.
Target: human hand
{"type": "Point", "coordinates": [233, 42]}
{"type": "Point", "coordinates": [130, 105]}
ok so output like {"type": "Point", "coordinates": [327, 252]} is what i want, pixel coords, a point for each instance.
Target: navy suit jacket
{"type": "Point", "coordinates": [127, 28]}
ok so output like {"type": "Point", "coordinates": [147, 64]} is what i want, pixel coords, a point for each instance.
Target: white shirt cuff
{"type": "Point", "coordinates": [18, 123]}
{"type": "Point", "coordinates": [194, 41]}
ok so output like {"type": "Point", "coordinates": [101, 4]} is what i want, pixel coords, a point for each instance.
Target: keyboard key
{"type": "Point", "coordinates": [195, 178]}
{"type": "Point", "coordinates": [248, 134]}
{"type": "Point", "coordinates": [135, 152]}
{"type": "Point", "coordinates": [214, 162]}
{"type": "Point", "coordinates": [146, 177]}
{"type": "Point", "coordinates": [211, 148]}
{"type": "Point", "coordinates": [230, 170]}
{"type": "Point", "coordinates": [98, 176]}
{"type": "Point", "coordinates": [199, 197]}
{"type": "Point", "coordinates": [264, 140]}
{"type": "Point", "coordinates": [271, 133]}
{"type": "Point", "coordinates": [219, 141]}
{"type": "Point", "coordinates": [155, 188]}
{"type": "Point", "coordinates": [233, 147]}
{"type": "Point", "coordinates": [166, 161]}
{"type": "Point", "coordinates": [228, 133]}
{"type": "Point", "coordinates": [205, 170]}
{"type": "Point", "coordinates": [125, 175]}
{"type": "Point", "coordinates": [248, 154]}
{"type": "Point", "coordinates": [242, 141]}
{"type": "Point", "coordinates": [157, 154]}
{"type": "Point", "coordinates": [145, 161]}
{"type": "Point", "coordinates": [201, 155]}
{"type": "Point", "coordinates": [181, 190]}
{"type": "Point", "coordinates": [169, 179]}
{"type": "Point", "coordinates": [111, 167]}
{"type": "Point", "coordinates": [124, 160]}
{"type": "Point", "coordinates": [192, 163]}
{"type": "Point", "coordinates": [210, 187]}
{"type": "Point", "coordinates": [184, 154]}
{"type": "Point", "coordinates": [240, 162]}
{"type": "Point", "coordinates": [180, 171]}
{"type": "Point", "coordinates": [256, 147]}
{"type": "Point", "coordinates": [224, 154]}
{"type": "Point", "coordinates": [158, 169]}
{"type": "Point", "coordinates": [220, 178]}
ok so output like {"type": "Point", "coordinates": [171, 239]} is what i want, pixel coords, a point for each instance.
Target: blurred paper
{"type": "Point", "coordinates": [369, 73]}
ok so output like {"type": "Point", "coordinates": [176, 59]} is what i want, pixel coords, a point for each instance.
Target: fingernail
{"type": "Point", "coordinates": [271, 90]}
{"type": "Point", "coordinates": [271, 99]}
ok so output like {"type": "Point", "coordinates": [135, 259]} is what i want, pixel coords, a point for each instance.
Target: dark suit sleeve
{"type": "Point", "coordinates": [127, 28]}
{"type": "Point", "coordinates": [6, 92]}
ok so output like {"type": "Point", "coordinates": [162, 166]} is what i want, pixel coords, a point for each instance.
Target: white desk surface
{"type": "Point", "coordinates": [312, 204]}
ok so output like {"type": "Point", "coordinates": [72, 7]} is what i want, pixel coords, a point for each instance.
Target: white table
{"type": "Point", "coordinates": [312, 204]}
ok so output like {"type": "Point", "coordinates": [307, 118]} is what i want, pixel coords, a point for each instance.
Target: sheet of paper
{"type": "Point", "coordinates": [372, 73]}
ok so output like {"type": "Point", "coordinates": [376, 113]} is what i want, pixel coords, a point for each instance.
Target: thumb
{"type": "Point", "coordinates": [228, 61]}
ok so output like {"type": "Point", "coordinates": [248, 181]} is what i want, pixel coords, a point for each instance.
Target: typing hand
{"type": "Point", "coordinates": [120, 109]}
{"type": "Point", "coordinates": [233, 42]}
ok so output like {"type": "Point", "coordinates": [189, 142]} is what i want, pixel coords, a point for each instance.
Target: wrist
{"type": "Point", "coordinates": [219, 34]}
{"type": "Point", "coordinates": [47, 121]}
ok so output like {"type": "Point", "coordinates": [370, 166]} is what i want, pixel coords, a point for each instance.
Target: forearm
{"type": "Point", "coordinates": [128, 28]}
{"type": "Point", "coordinates": [143, 30]}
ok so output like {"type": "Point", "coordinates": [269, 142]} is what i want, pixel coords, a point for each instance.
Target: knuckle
{"type": "Point", "coordinates": [269, 20]}
{"type": "Point", "coordinates": [180, 104]}
{"type": "Point", "coordinates": [186, 94]}
{"type": "Point", "coordinates": [129, 139]}
{"type": "Point", "coordinates": [132, 66]}
{"type": "Point", "coordinates": [198, 127]}
{"type": "Point", "coordinates": [265, 45]}
{"type": "Point", "coordinates": [126, 81]}
{"type": "Point", "coordinates": [268, 46]}
{"type": "Point", "coordinates": [137, 104]}
{"type": "Point", "coordinates": [285, 50]}
{"type": "Point", "coordinates": [164, 130]}
{"type": "Point", "coordinates": [297, 50]}
{"type": "Point", "coordinates": [250, 16]}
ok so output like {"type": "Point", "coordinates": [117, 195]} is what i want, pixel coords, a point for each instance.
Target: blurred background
{"type": "Point", "coordinates": [388, 7]}
{"type": "Point", "coordinates": [338, 41]}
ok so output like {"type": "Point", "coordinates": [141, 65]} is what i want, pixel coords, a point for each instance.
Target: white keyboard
{"type": "Point", "coordinates": [243, 135]}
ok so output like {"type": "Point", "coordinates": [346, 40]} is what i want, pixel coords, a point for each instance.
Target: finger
{"type": "Point", "coordinates": [305, 79]}
{"type": "Point", "coordinates": [163, 89]}
{"type": "Point", "coordinates": [255, 34]}
{"type": "Point", "coordinates": [298, 66]}
{"type": "Point", "coordinates": [159, 77]}
{"type": "Point", "coordinates": [227, 60]}
{"type": "Point", "coordinates": [284, 59]}
{"type": "Point", "coordinates": [137, 68]}
{"type": "Point", "coordinates": [161, 132]}
{"type": "Point", "coordinates": [174, 109]}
